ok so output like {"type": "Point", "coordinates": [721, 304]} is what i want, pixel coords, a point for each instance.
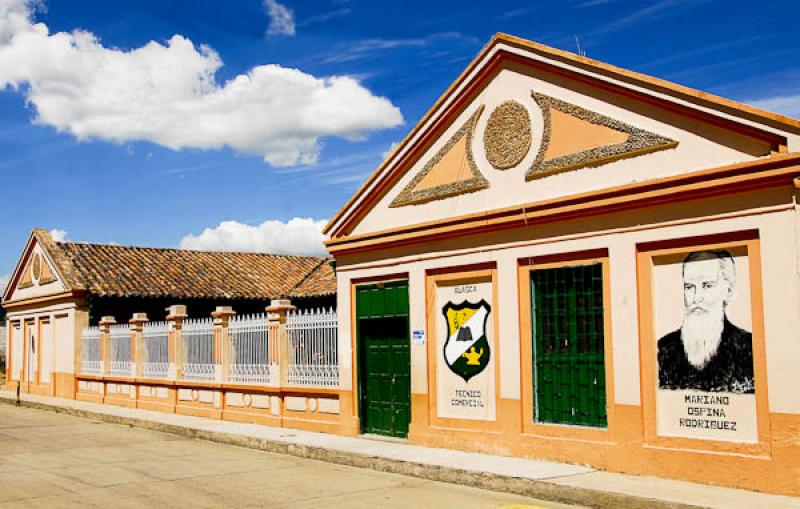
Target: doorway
{"type": "Point", "coordinates": [384, 360]}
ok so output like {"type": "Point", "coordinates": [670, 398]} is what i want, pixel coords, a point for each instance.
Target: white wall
{"type": "Point", "coordinates": [780, 290]}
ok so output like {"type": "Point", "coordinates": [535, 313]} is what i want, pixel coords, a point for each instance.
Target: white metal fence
{"type": "Point", "coordinates": [156, 349]}
{"type": "Point", "coordinates": [253, 350]}
{"type": "Point", "coordinates": [313, 348]}
{"type": "Point", "coordinates": [90, 351]}
{"type": "Point", "coordinates": [254, 354]}
{"type": "Point", "coordinates": [120, 341]}
{"type": "Point", "coordinates": [198, 349]}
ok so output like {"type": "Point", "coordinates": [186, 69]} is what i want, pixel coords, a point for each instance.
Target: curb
{"type": "Point", "coordinates": [540, 489]}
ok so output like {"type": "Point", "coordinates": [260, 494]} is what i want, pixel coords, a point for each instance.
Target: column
{"type": "Point", "coordinates": [105, 343]}
{"type": "Point", "coordinates": [138, 349]}
{"type": "Point", "coordinates": [276, 313]}
{"type": "Point", "coordinates": [176, 314]}
{"type": "Point", "coordinates": [222, 342]}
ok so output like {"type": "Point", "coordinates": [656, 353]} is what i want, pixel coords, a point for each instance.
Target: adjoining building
{"type": "Point", "coordinates": [571, 261]}
{"type": "Point", "coordinates": [59, 288]}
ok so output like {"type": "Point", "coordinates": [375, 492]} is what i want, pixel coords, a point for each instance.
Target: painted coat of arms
{"type": "Point", "coordinates": [467, 350]}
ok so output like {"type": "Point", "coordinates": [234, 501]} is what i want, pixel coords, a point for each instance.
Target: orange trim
{"type": "Point", "coordinates": [468, 268]}
{"type": "Point", "coordinates": [767, 172]}
{"type": "Point", "coordinates": [26, 347]}
{"type": "Point", "coordinates": [529, 425]}
{"type": "Point", "coordinates": [38, 339]}
{"type": "Point", "coordinates": [48, 299]}
{"type": "Point", "coordinates": [705, 98]}
{"type": "Point", "coordinates": [647, 345]}
{"type": "Point", "coordinates": [356, 399]}
{"type": "Point", "coordinates": [400, 276]}
{"type": "Point", "coordinates": [702, 98]}
{"type": "Point", "coordinates": [454, 277]}
{"type": "Point", "coordinates": [191, 384]}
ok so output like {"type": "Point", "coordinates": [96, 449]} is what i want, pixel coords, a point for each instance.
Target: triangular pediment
{"type": "Point", "coordinates": [35, 275]}
{"type": "Point", "coordinates": [525, 122]}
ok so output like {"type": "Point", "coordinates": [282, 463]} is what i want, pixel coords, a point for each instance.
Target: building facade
{"type": "Point", "coordinates": [60, 292]}
{"type": "Point", "coordinates": [570, 261]}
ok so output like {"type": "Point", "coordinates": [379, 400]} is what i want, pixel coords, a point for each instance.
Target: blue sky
{"type": "Point", "coordinates": [158, 120]}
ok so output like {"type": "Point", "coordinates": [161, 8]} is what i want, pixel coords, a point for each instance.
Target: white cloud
{"type": "Point", "coordinates": [168, 94]}
{"type": "Point", "coordinates": [327, 16]}
{"type": "Point", "coordinates": [281, 19]}
{"type": "Point", "coordinates": [369, 48]}
{"type": "Point", "coordinates": [58, 235]}
{"type": "Point", "coordinates": [3, 282]}
{"type": "Point", "coordinates": [298, 236]}
{"type": "Point", "coordinates": [785, 104]}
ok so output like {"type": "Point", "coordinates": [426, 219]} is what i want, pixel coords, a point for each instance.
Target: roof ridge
{"type": "Point", "coordinates": [181, 250]}
{"type": "Point", "coordinates": [112, 270]}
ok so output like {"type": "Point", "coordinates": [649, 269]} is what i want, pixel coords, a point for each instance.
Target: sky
{"type": "Point", "coordinates": [245, 125]}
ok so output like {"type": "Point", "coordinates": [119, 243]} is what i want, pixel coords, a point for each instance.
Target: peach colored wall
{"type": "Point", "coordinates": [771, 213]}
{"type": "Point", "coordinates": [780, 299]}
{"type": "Point", "coordinates": [62, 333]}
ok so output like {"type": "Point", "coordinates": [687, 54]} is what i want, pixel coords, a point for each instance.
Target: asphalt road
{"type": "Point", "coordinates": [55, 460]}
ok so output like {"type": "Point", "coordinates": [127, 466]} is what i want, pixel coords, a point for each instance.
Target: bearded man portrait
{"type": "Point", "coordinates": [708, 352]}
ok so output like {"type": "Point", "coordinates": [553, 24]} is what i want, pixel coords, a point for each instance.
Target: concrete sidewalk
{"type": "Point", "coordinates": [558, 482]}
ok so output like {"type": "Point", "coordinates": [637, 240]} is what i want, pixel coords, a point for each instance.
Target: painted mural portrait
{"type": "Point", "coordinates": [708, 352]}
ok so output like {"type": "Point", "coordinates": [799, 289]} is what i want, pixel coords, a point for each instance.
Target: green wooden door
{"type": "Point", "coordinates": [384, 358]}
{"type": "Point", "coordinates": [569, 345]}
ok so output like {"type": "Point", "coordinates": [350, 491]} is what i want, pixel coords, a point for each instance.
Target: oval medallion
{"type": "Point", "coordinates": [507, 137]}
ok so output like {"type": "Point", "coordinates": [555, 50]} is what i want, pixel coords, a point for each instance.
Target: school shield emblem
{"type": "Point", "coordinates": [467, 350]}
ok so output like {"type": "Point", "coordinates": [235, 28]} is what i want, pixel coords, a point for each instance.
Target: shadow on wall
{"type": "Point", "coordinates": [123, 308]}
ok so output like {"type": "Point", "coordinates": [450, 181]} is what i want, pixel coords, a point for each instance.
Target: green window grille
{"type": "Point", "coordinates": [568, 345]}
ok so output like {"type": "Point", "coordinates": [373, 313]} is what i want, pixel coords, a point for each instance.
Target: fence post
{"type": "Point", "coordinates": [276, 313]}
{"type": "Point", "coordinates": [137, 343]}
{"type": "Point", "coordinates": [222, 342]}
{"type": "Point", "coordinates": [176, 314]}
{"type": "Point", "coordinates": [105, 342]}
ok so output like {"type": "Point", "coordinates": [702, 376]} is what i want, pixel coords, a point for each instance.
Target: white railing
{"type": "Point", "coordinates": [90, 352]}
{"type": "Point", "coordinates": [198, 349]}
{"type": "Point", "coordinates": [156, 348]}
{"type": "Point", "coordinates": [313, 348]}
{"type": "Point", "coordinates": [120, 341]}
{"type": "Point", "coordinates": [253, 350]}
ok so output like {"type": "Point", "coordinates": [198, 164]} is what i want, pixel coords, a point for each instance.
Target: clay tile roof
{"type": "Point", "coordinates": [128, 271]}
{"type": "Point", "coordinates": [319, 282]}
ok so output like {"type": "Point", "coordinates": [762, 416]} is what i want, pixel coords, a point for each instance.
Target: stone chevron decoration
{"type": "Point", "coordinates": [417, 192]}
{"type": "Point", "coordinates": [637, 142]}
{"type": "Point", "coordinates": [507, 137]}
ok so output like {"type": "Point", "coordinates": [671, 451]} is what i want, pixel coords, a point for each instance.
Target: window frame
{"type": "Point", "coordinates": [530, 426]}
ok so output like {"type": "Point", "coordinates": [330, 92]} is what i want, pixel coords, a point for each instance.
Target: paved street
{"type": "Point", "coordinates": [54, 460]}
